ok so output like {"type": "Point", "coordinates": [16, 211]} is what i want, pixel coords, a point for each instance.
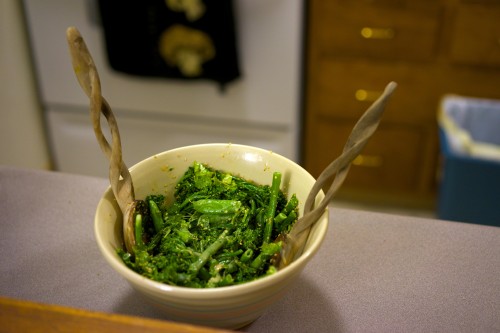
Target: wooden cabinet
{"type": "Point", "coordinates": [430, 48]}
{"type": "Point", "coordinates": [475, 39]}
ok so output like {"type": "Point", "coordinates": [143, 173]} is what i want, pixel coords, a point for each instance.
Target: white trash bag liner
{"type": "Point", "coordinates": [471, 125]}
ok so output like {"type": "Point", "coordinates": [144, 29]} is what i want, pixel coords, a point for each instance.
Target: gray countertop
{"type": "Point", "coordinates": [374, 273]}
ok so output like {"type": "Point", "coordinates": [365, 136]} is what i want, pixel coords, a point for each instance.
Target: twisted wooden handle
{"type": "Point", "coordinates": [295, 240]}
{"type": "Point", "coordinates": [86, 73]}
{"type": "Point", "coordinates": [362, 131]}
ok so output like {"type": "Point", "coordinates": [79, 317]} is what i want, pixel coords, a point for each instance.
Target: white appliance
{"type": "Point", "coordinates": [154, 114]}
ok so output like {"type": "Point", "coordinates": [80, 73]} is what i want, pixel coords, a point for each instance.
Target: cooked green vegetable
{"type": "Point", "coordinates": [271, 208]}
{"type": "Point", "coordinates": [217, 232]}
{"type": "Point", "coordinates": [155, 214]}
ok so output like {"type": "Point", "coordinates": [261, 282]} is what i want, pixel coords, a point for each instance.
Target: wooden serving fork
{"type": "Point", "coordinates": [294, 241]}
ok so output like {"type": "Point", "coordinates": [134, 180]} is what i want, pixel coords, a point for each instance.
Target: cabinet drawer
{"type": "Point", "coordinates": [361, 29]}
{"type": "Point", "coordinates": [485, 2]}
{"type": "Point", "coordinates": [390, 162]}
{"type": "Point", "coordinates": [346, 89]}
{"type": "Point", "coordinates": [476, 35]}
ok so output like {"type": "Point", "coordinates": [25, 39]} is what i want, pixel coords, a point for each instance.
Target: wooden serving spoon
{"type": "Point", "coordinates": [294, 241]}
{"type": "Point", "coordinates": [119, 176]}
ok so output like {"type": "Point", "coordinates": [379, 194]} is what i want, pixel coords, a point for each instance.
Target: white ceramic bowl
{"type": "Point", "coordinates": [226, 307]}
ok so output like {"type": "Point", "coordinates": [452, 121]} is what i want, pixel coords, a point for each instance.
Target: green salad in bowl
{"type": "Point", "coordinates": [219, 230]}
{"type": "Point", "coordinates": [207, 260]}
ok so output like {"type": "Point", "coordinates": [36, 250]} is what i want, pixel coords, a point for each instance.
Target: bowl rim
{"type": "Point", "coordinates": [206, 293]}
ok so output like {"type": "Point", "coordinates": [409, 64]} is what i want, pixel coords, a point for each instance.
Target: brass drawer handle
{"type": "Point", "coordinates": [377, 33]}
{"type": "Point", "coordinates": [363, 95]}
{"type": "Point", "coordinates": [369, 161]}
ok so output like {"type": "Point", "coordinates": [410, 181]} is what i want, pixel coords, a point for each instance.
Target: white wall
{"type": "Point", "coordinates": [22, 139]}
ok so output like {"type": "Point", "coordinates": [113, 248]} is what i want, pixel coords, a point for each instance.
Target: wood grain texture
{"type": "Point", "coordinates": [438, 47]}
{"type": "Point", "coordinates": [26, 316]}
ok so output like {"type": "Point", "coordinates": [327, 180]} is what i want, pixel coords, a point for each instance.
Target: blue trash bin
{"type": "Point", "coordinates": [469, 132]}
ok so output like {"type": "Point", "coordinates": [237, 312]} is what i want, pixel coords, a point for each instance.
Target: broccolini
{"type": "Point", "coordinates": [217, 232]}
